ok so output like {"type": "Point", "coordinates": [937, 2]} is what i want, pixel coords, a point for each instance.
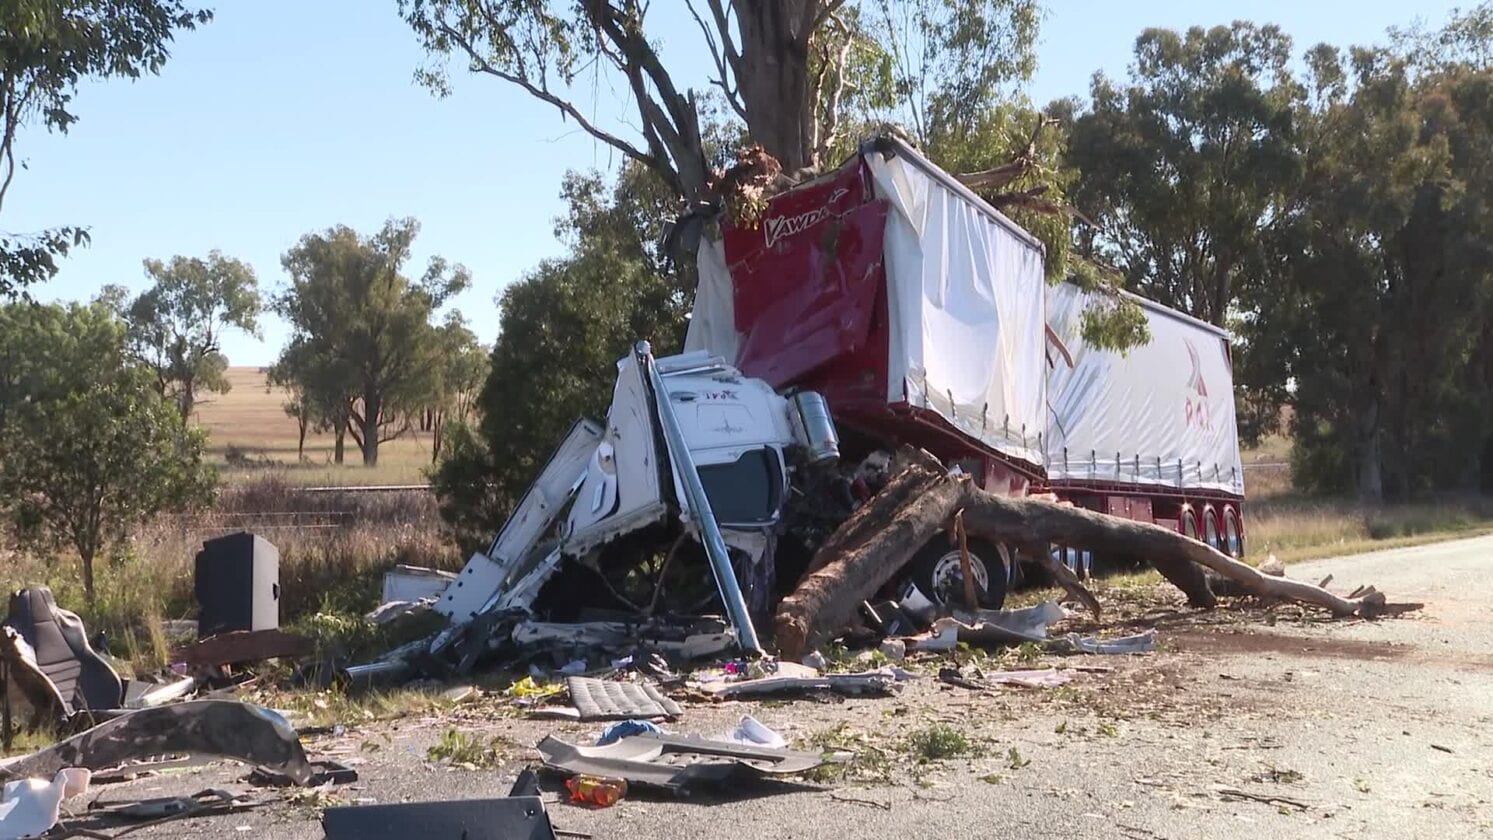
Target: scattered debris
{"type": "Point", "coordinates": [241, 646]}
{"type": "Point", "coordinates": [870, 682]}
{"type": "Point", "coordinates": [510, 818]}
{"type": "Point", "coordinates": [623, 729]}
{"type": "Point", "coordinates": [754, 733]}
{"type": "Point", "coordinates": [29, 807]}
{"type": "Point", "coordinates": [214, 799]}
{"type": "Point", "coordinates": [219, 728]}
{"type": "Point", "coordinates": [1441, 748]}
{"type": "Point", "coordinates": [1124, 645]}
{"type": "Point", "coordinates": [601, 791]}
{"type": "Point", "coordinates": [49, 665]}
{"type": "Point", "coordinates": [678, 764]}
{"type": "Point", "coordinates": [410, 584]}
{"type": "Point", "coordinates": [1230, 792]}
{"type": "Point", "coordinates": [608, 700]}
{"type": "Point", "coordinates": [1043, 678]}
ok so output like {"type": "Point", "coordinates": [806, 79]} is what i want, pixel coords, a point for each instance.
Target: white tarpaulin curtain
{"type": "Point", "coordinates": [1160, 414]}
{"type": "Point", "coordinates": [712, 323]}
{"type": "Point", "coordinates": [965, 300]}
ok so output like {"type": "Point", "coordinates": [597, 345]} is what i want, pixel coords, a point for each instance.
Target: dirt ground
{"type": "Point", "coordinates": [1246, 722]}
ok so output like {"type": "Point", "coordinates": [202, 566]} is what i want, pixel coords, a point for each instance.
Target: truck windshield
{"type": "Point", "coordinates": [746, 491]}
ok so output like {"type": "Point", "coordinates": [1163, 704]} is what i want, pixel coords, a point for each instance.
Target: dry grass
{"type": "Point", "coordinates": [334, 549]}
{"type": "Point", "coordinates": [250, 420]}
{"type": "Point", "coordinates": [1294, 528]}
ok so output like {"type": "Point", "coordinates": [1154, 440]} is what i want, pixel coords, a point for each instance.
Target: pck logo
{"type": "Point", "coordinates": [1197, 391]}
{"type": "Point", "coordinates": [781, 227]}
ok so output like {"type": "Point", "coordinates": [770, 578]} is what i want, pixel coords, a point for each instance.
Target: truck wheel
{"type": "Point", "coordinates": [937, 572]}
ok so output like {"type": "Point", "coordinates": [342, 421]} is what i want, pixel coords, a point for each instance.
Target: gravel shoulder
{"type": "Point", "coordinates": [1337, 729]}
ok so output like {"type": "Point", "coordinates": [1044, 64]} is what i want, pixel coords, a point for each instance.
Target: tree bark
{"type": "Point", "coordinates": [849, 570]}
{"type": "Point", "coordinates": [774, 77]}
{"type": "Point", "coordinates": [339, 446]}
{"type": "Point", "coordinates": [372, 408]}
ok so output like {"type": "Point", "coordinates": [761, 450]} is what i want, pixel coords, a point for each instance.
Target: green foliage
{"type": "Point", "coordinates": [87, 449]}
{"type": "Point", "coordinates": [938, 742]}
{"type": "Point", "coordinates": [1381, 312]}
{"type": "Point", "coordinates": [363, 347]}
{"type": "Point", "coordinates": [466, 749]}
{"type": "Point", "coordinates": [561, 331]}
{"type": "Point", "coordinates": [46, 48]}
{"type": "Point", "coordinates": [176, 325]}
{"type": "Point", "coordinates": [1180, 169]}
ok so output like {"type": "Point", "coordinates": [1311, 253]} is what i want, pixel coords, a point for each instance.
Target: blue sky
{"type": "Point", "coordinates": [282, 117]}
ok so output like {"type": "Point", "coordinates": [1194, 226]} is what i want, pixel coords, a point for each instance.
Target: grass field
{"type": "Point", "coordinates": [251, 420]}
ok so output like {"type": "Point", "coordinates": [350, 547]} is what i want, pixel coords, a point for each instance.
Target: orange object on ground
{"type": "Point", "coordinates": [601, 791]}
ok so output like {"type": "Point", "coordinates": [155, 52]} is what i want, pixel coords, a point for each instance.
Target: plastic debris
{"type": "Point", "coordinates": [623, 728]}
{"type": "Point", "coordinates": [601, 791]}
{"type": "Point", "coordinates": [1072, 643]}
{"type": "Point", "coordinates": [754, 733]}
{"type": "Point", "coordinates": [29, 807]}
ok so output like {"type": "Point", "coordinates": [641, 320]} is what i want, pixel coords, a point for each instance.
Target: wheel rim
{"type": "Point", "coordinates": [1231, 532]}
{"type": "Point", "coordinates": [948, 577]}
{"type": "Point", "coordinates": [1210, 529]}
{"type": "Point", "coordinates": [1189, 525]}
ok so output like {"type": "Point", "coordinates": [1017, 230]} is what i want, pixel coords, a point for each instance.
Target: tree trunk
{"type": "Point", "coordinates": [437, 424]}
{"type": "Point", "coordinates": [850, 570]}
{"type": "Point", "coordinates": [300, 444]}
{"type": "Point", "coordinates": [774, 77]}
{"type": "Point", "coordinates": [339, 447]}
{"type": "Point", "coordinates": [87, 555]}
{"type": "Point", "coordinates": [188, 399]}
{"type": "Point", "coordinates": [1370, 456]}
{"type": "Point", "coordinates": [372, 408]}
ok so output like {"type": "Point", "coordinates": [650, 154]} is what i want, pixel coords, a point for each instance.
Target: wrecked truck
{"type": "Point", "coordinates": [882, 304]}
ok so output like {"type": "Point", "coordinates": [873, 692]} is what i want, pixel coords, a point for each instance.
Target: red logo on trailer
{"type": "Point", "coordinates": [1197, 398]}
{"type": "Point", "coordinates": [777, 228]}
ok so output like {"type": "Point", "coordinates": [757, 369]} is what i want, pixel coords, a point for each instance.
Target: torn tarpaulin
{"type": "Point", "coordinates": [221, 728]}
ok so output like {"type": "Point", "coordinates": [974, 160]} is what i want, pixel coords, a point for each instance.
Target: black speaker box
{"type": "Point", "coordinates": [238, 585]}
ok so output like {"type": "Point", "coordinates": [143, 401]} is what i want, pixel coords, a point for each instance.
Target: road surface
{"type": "Point", "coordinates": [1341, 729]}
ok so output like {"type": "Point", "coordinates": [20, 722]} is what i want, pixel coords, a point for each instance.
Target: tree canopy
{"type": "Point", "coordinates": [363, 345]}
{"type": "Point", "coordinates": [88, 449]}
{"type": "Point", "coordinates": [46, 48]}
{"type": "Point", "coordinates": [176, 326]}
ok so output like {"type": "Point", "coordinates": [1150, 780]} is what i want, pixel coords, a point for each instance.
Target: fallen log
{"type": "Point", "coordinates": [921, 499]}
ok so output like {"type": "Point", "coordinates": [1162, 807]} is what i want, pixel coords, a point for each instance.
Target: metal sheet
{"type": "Point", "coordinates": [511, 818]}
{"type": "Point", "coordinates": [676, 763]}
{"type": "Point", "coordinates": [221, 728]}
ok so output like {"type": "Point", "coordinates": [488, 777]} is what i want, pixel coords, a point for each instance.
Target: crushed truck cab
{"type": "Point", "coordinates": [880, 305]}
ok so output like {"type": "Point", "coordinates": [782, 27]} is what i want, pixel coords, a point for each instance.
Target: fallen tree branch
{"type": "Point", "coordinates": [922, 498]}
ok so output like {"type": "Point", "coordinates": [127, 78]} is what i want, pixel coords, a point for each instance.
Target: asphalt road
{"type": "Point", "coordinates": [1345, 729]}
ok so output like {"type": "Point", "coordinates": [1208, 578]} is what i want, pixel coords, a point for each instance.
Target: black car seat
{"type": "Point", "coordinates": [81, 679]}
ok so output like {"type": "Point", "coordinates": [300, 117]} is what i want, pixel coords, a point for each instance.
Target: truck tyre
{"type": "Point", "coordinates": [1233, 535]}
{"type": "Point", "coordinates": [937, 573]}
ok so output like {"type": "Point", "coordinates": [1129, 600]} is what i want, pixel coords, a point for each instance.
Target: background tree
{"type": "Point", "coordinates": [1180, 170]}
{"type": "Point", "coordinates": [785, 68]}
{"type": "Point", "coordinates": [87, 449]}
{"type": "Point", "coordinates": [1381, 304]}
{"type": "Point", "coordinates": [323, 390]}
{"type": "Point", "coordinates": [46, 48]}
{"type": "Point", "coordinates": [360, 326]}
{"type": "Point", "coordinates": [462, 370]}
{"type": "Point", "coordinates": [176, 326]}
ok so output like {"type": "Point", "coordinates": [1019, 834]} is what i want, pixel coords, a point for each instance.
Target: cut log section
{"type": "Point", "coordinates": [918, 503]}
